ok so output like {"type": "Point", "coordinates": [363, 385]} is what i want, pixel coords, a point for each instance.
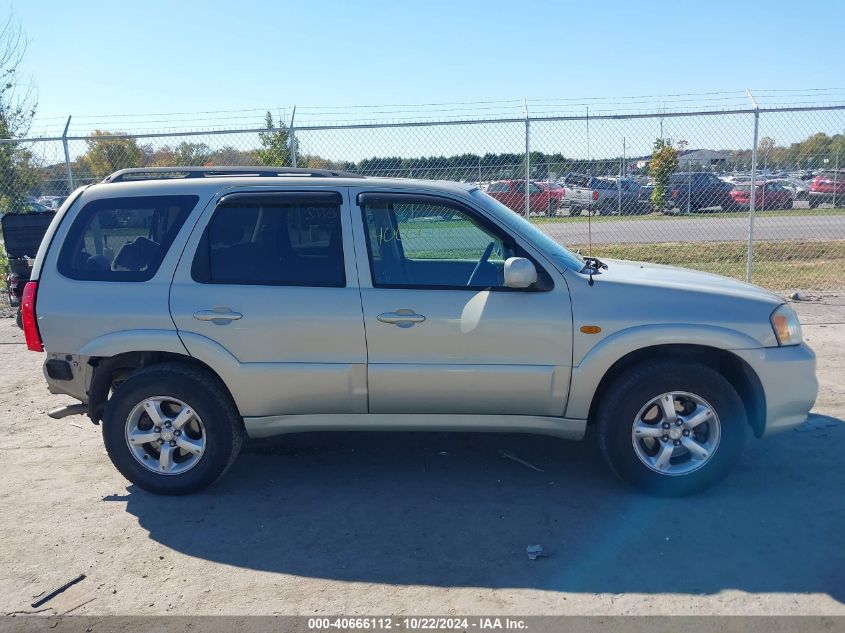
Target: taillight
{"type": "Point", "coordinates": [30, 326]}
{"type": "Point", "coordinates": [674, 193]}
{"type": "Point", "coordinates": [595, 195]}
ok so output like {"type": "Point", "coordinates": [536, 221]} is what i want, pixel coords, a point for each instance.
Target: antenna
{"type": "Point", "coordinates": [590, 204]}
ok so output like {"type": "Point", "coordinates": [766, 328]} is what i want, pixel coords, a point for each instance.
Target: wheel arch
{"type": "Point", "coordinates": [739, 373]}
{"type": "Point", "coordinates": [107, 371]}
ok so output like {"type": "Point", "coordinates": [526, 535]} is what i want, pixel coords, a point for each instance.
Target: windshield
{"type": "Point", "coordinates": [561, 256]}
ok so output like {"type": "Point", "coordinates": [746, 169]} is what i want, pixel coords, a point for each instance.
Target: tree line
{"type": "Point", "coordinates": [109, 151]}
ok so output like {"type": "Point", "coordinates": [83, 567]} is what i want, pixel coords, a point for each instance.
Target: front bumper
{"type": "Point", "coordinates": [788, 377]}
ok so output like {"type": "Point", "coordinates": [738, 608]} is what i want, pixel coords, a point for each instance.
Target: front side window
{"type": "Point", "coordinates": [413, 242]}
{"type": "Point", "coordinates": [123, 239]}
{"type": "Point", "coordinates": [272, 242]}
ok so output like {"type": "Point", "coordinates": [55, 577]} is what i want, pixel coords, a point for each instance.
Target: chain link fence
{"type": "Point", "coordinates": [754, 194]}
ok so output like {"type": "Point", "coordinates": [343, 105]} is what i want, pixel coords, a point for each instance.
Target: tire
{"type": "Point", "coordinates": [19, 319]}
{"type": "Point", "coordinates": [814, 202]}
{"type": "Point", "coordinates": [626, 401]}
{"type": "Point", "coordinates": [221, 428]}
{"type": "Point", "coordinates": [789, 204]}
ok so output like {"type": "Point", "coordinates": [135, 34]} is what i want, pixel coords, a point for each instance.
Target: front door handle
{"type": "Point", "coordinates": [218, 316]}
{"type": "Point", "coordinates": [401, 318]}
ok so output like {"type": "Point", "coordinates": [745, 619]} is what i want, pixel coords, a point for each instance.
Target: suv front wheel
{"type": "Point", "coordinates": [671, 427]}
{"type": "Point", "coordinates": [172, 429]}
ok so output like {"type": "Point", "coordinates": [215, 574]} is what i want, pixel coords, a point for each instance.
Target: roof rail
{"type": "Point", "coordinates": [177, 173]}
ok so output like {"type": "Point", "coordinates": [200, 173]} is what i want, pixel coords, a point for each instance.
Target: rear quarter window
{"type": "Point", "coordinates": [123, 239]}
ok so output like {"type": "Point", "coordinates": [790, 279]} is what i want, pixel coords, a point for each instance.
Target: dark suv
{"type": "Point", "coordinates": [22, 233]}
{"type": "Point", "coordinates": [691, 191]}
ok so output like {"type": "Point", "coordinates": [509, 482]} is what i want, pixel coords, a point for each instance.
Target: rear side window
{"type": "Point", "coordinates": [499, 187]}
{"type": "Point", "coordinates": [254, 241]}
{"type": "Point", "coordinates": [123, 239]}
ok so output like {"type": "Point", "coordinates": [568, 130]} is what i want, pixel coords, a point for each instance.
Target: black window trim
{"type": "Point", "coordinates": [266, 198]}
{"type": "Point", "coordinates": [82, 220]}
{"type": "Point", "coordinates": [545, 282]}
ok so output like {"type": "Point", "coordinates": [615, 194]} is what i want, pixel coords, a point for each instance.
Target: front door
{"type": "Point", "coordinates": [267, 290]}
{"type": "Point", "coordinates": [443, 333]}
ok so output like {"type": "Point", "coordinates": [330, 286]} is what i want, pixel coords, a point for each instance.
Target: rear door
{"type": "Point", "coordinates": [268, 283]}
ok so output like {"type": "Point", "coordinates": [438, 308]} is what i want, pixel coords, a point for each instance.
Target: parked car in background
{"type": "Point", "coordinates": [580, 194]}
{"type": "Point", "coordinates": [511, 193]}
{"type": "Point", "coordinates": [769, 195]}
{"type": "Point", "coordinates": [828, 186]}
{"type": "Point", "coordinates": [627, 200]}
{"type": "Point", "coordinates": [51, 202]}
{"type": "Point", "coordinates": [692, 191]}
{"type": "Point", "coordinates": [557, 194]}
{"type": "Point", "coordinates": [798, 188]}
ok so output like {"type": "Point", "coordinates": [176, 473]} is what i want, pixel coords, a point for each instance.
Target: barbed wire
{"type": "Point", "coordinates": [715, 101]}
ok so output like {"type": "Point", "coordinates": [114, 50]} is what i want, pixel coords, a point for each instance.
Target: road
{"type": "Point", "coordinates": [708, 228]}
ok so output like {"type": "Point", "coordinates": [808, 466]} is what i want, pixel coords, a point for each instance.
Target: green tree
{"type": "Point", "coordinates": [192, 154]}
{"type": "Point", "coordinates": [18, 175]}
{"type": "Point", "coordinates": [664, 162]}
{"type": "Point", "coordinates": [275, 145]}
{"type": "Point", "coordinates": [107, 154]}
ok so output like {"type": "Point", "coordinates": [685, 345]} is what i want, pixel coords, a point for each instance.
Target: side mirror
{"type": "Point", "coordinates": [519, 273]}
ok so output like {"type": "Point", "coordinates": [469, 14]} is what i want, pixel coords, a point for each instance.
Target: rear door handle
{"type": "Point", "coordinates": [401, 318]}
{"type": "Point", "coordinates": [218, 316]}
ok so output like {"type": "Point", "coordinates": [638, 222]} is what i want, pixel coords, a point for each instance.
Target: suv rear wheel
{"type": "Point", "coordinates": [671, 427]}
{"type": "Point", "coordinates": [172, 429]}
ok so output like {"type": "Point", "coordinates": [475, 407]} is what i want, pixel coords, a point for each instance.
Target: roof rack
{"type": "Point", "coordinates": [177, 173]}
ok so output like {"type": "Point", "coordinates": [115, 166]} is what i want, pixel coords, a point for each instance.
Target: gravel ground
{"type": "Point", "coordinates": [420, 523]}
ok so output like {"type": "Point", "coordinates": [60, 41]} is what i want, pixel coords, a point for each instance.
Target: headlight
{"type": "Point", "coordinates": [786, 326]}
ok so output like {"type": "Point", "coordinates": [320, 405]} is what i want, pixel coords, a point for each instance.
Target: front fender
{"type": "Point", "coordinates": [587, 375]}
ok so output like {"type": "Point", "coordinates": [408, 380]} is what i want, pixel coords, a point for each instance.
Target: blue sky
{"type": "Point", "coordinates": [130, 66]}
{"type": "Point", "coordinates": [115, 57]}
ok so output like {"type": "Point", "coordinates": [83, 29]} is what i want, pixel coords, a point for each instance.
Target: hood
{"type": "Point", "coordinates": [630, 295]}
{"type": "Point", "coordinates": [685, 279]}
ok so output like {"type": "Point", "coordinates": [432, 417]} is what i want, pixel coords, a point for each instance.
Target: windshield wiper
{"type": "Point", "coordinates": [593, 266]}
{"type": "Point", "coordinates": [594, 263]}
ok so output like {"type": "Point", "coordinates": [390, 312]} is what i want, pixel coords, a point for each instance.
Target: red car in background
{"type": "Point", "coordinates": [770, 195]}
{"type": "Point", "coordinates": [828, 186]}
{"type": "Point", "coordinates": [543, 197]}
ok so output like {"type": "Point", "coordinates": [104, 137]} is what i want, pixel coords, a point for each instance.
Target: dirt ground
{"type": "Point", "coordinates": [420, 523]}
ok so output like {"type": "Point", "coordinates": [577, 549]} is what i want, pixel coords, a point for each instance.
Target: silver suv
{"type": "Point", "coordinates": [188, 308]}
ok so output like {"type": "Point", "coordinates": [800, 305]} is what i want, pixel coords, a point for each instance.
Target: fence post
{"type": "Point", "coordinates": [67, 158]}
{"type": "Point", "coordinates": [749, 266]}
{"type": "Point", "coordinates": [292, 139]}
{"type": "Point", "coordinates": [527, 163]}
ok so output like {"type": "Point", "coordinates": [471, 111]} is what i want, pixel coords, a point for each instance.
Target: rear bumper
{"type": "Point", "coordinates": [788, 377]}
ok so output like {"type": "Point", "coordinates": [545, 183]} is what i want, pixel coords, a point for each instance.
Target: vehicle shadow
{"type": "Point", "coordinates": [449, 510]}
